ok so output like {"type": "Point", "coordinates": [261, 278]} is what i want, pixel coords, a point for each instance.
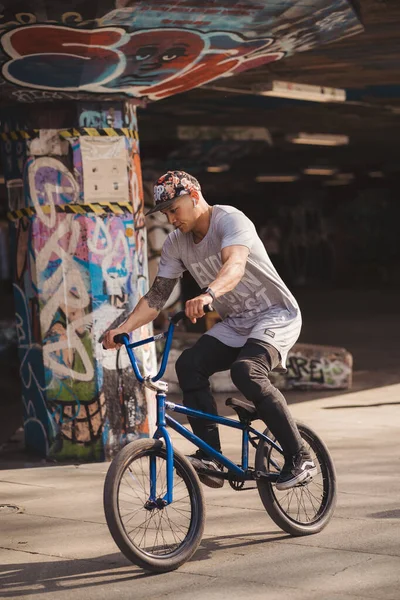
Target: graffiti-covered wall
{"type": "Point", "coordinates": [154, 48]}
{"type": "Point", "coordinates": [76, 202]}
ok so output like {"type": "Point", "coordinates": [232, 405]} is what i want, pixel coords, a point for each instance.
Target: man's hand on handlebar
{"type": "Point", "coordinates": [108, 339]}
{"type": "Point", "coordinates": [194, 308]}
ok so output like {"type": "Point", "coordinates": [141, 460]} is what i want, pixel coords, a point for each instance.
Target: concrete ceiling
{"type": "Point", "coordinates": [367, 65]}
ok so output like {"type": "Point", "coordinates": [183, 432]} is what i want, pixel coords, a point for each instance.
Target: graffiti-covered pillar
{"type": "Point", "coordinates": [80, 265]}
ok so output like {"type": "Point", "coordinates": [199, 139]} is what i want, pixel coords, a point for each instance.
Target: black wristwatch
{"type": "Point", "coordinates": [209, 291]}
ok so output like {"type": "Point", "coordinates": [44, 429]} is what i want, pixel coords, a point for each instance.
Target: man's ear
{"type": "Point", "coordinates": [195, 197]}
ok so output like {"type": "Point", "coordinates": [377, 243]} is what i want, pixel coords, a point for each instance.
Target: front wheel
{"type": "Point", "coordinates": [306, 508]}
{"type": "Point", "coordinates": [154, 536]}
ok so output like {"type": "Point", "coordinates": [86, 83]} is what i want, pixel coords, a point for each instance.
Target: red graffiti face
{"type": "Point", "coordinates": [157, 55]}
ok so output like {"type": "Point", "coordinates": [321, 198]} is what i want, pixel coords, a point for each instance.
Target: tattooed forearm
{"type": "Point", "coordinates": [159, 292]}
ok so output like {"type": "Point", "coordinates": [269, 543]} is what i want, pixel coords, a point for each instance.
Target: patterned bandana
{"type": "Point", "coordinates": [170, 186]}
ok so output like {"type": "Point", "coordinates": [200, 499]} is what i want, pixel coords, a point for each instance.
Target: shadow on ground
{"type": "Point", "coordinates": [210, 545]}
{"type": "Point", "coordinates": [27, 579]}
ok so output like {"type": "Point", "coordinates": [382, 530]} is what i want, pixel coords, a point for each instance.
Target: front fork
{"type": "Point", "coordinates": [162, 433]}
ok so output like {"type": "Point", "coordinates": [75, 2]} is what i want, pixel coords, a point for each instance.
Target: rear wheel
{"type": "Point", "coordinates": [156, 537]}
{"type": "Point", "coordinates": [306, 508]}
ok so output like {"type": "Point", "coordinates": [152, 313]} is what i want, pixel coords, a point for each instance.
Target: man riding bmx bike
{"type": "Point", "coordinates": [261, 319]}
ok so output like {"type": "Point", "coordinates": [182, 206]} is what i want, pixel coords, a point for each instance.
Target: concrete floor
{"type": "Point", "coordinates": [58, 545]}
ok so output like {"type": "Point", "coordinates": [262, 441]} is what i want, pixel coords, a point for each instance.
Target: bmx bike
{"type": "Point", "coordinates": [153, 500]}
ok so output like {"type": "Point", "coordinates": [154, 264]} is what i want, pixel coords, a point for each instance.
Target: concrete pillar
{"type": "Point", "coordinates": [80, 264]}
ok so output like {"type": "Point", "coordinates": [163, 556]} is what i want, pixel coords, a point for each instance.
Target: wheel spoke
{"type": "Point", "coordinates": [172, 522]}
{"type": "Point", "coordinates": [180, 511]}
{"type": "Point", "coordinates": [174, 527]}
{"type": "Point", "coordinates": [303, 503]}
{"type": "Point", "coordinates": [134, 479]}
{"type": "Point", "coordinates": [312, 497]}
{"type": "Point", "coordinates": [126, 481]}
{"type": "Point", "coordinates": [132, 515]}
{"type": "Point", "coordinates": [142, 525]}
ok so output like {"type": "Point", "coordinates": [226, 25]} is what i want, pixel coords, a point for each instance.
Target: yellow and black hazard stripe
{"type": "Point", "coordinates": [15, 136]}
{"type": "Point", "coordinates": [69, 133]}
{"type": "Point", "coordinates": [98, 208]}
{"type": "Point", "coordinates": [93, 132]}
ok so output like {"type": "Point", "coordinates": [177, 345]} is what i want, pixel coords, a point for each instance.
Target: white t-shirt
{"type": "Point", "coordinates": [260, 306]}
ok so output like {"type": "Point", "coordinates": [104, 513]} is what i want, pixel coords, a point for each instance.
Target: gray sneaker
{"type": "Point", "coordinates": [200, 462]}
{"type": "Point", "coordinates": [299, 468]}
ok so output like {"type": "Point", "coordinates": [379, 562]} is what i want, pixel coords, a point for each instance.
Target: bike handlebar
{"type": "Point", "coordinates": [123, 338]}
{"type": "Point", "coordinates": [178, 317]}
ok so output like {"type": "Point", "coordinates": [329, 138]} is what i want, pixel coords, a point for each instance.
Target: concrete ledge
{"type": "Point", "coordinates": [310, 367]}
{"type": "Point", "coordinates": [316, 367]}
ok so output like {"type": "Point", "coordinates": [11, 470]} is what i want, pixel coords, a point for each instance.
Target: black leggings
{"type": "Point", "coordinates": [249, 366]}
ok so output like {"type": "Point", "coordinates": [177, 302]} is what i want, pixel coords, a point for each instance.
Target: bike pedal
{"type": "Point", "coordinates": [220, 474]}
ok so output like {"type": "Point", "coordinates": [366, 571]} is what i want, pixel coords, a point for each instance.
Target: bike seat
{"type": "Point", "coordinates": [245, 410]}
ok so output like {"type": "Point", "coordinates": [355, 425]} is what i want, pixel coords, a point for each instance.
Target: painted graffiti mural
{"type": "Point", "coordinates": [318, 367]}
{"type": "Point", "coordinates": [76, 275]}
{"type": "Point", "coordinates": [150, 63]}
{"type": "Point", "coordinates": [156, 49]}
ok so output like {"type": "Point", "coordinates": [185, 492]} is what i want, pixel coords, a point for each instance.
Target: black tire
{"type": "Point", "coordinates": [170, 548]}
{"type": "Point", "coordinates": [304, 509]}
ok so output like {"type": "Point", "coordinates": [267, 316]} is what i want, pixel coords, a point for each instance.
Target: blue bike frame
{"type": "Point", "coordinates": [239, 472]}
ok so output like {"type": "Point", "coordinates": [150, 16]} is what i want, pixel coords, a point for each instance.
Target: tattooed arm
{"type": "Point", "coordinates": [159, 292]}
{"type": "Point", "coordinates": [145, 311]}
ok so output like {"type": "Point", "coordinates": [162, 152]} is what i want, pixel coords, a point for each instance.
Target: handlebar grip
{"type": "Point", "coordinates": [120, 338]}
{"type": "Point", "coordinates": [181, 314]}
